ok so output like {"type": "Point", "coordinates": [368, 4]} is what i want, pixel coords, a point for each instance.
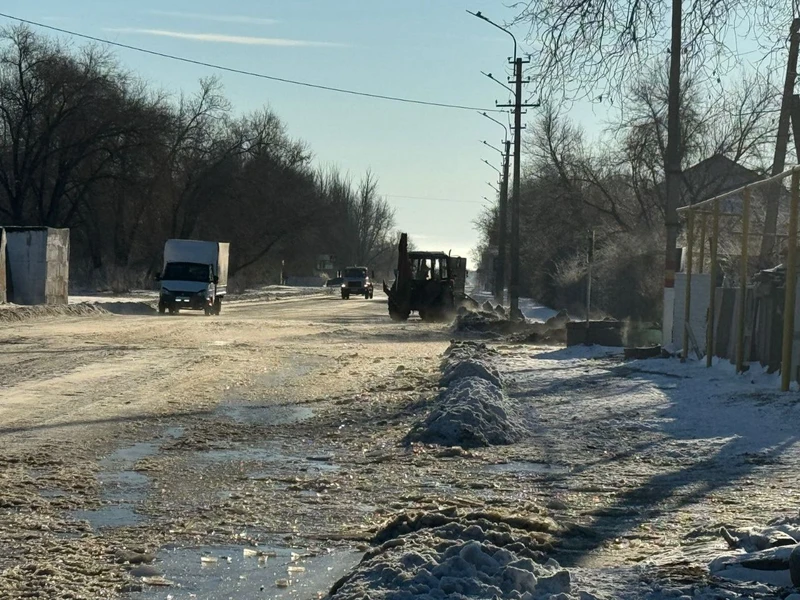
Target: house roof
{"type": "Point", "coordinates": [714, 176]}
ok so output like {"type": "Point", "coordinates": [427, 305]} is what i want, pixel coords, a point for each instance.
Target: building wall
{"type": "Point", "coordinates": [57, 279]}
{"type": "Point", "coordinates": [27, 259]}
{"type": "Point", "coordinates": [3, 285]}
{"type": "Point", "coordinates": [699, 308]}
{"type": "Point", "coordinates": [38, 265]}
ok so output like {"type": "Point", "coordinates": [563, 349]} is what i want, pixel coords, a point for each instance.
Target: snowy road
{"type": "Point", "coordinates": [258, 454]}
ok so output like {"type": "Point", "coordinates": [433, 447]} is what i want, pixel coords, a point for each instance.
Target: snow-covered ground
{"type": "Point", "coordinates": [268, 292]}
{"type": "Point", "coordinates": [532, 310]}
{"type": "Point", "coordinates": [658, 456]}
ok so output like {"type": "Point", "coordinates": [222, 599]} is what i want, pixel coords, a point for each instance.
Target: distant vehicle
{"type": "Point", "coordinates": [194, 277]}
{"type": "Point", "coordinates": [431, 283]}
{"type": "Point", "coordinates": [356, 281]}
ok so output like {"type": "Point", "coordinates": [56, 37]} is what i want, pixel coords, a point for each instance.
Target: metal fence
{"type": "Point", "coordinates": [736, 207]}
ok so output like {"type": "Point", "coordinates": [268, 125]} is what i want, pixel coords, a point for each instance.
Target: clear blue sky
{"type": "Point", "coordinates": [426, 49]}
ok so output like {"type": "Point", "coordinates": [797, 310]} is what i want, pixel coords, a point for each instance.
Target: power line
{"type": "Point", "coordinates": [248, 73]}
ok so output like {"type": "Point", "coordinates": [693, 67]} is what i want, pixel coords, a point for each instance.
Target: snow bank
{"type": "Point", "coordinates": [472, 411]}
{"type": "Point", "coordinates": [442, 556]}
{"type": "Point", "coordinates": [531, 310]}
{"type": "Point", "coordinates": [483, 321]}
{"type": "Point", "coordinates": [471, 367]}
{"type": "Point", "coordinates": [15, 312]}
{"type": "Point", "coordinates": [463, 350]}
{"type": "Point", "coordinates": [497, 324]}
{"type": "Point", "coordinates": [769, 555]}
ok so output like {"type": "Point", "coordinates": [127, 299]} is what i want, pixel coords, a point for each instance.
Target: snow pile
{"type": "Point", "coordinates": [450, 556]}
{"type": "Point", "coordinates": [495, 321]}
{"type": "Point", "coordinates": [769, 566]}
{"type": "Point", "coordinates": [468, 359]}
{"type": "Point", "coordinates": [16, 312]}
{"type": "Point", "coordinates": [472, 411]}
{"type": "Point", "coordinates": [769, 555]}
{"type": "Point", "coordinates": [471, 368]}
{"type": "Point", "coordinates": [534, 311]}
{"type": "Point", "coordinates": [463, 350]}
{"type": "Point", "coordinates": [482, 321]}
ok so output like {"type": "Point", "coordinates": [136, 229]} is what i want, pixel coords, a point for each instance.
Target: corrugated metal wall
{"type": "Point", "coordinates": [699, 308]}
{"type": "Point", "coordinates": [38, 265]}
{"type": "Point", "coordinates": [3, 280]}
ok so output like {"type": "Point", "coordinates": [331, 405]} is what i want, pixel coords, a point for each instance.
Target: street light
{"type": "Point", "coordinates": [496, 121]}
{"type": "Point", "coordinates": [495, 148]}
{"type": "Point", "coordinates": [491, 185]}
{"type": "Point", "coordinates": [498, 82]}
{"type": "Point", "coordinates": [480, 16]}
{"type": "Point", "coordinates": [513, 287]}
{"type": "Point", "coordinates": [499, 172]}
{"type": "Point", "coordinates": [502, 224]}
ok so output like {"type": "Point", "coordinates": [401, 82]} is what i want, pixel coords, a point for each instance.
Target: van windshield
{"type": "Point", "coordinates": [355, 273]}
{"type": "Point", "coordinates": [187, 272]}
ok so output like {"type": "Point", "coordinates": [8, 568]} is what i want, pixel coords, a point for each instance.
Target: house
{"type": "Point", "coordinates": [715, 176]}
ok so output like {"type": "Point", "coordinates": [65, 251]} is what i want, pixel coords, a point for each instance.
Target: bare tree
{"type": "Point", "coordinates": [62, 122]}
{"type": "Point", "coordinates": [86, 145]}
{"type": "Point", "coordinates": [586, 46]}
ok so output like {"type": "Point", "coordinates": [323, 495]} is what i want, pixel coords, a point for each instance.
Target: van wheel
{"type": "Point", "coordinates": [161, 308]}
{"type": "Point", "coordinates": [173, 311]}
{"type": "Point", "coordinates": [217, 306]}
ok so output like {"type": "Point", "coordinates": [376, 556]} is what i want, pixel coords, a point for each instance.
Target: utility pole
{"type": "Point", "coordinates": [796, 124]}
{"type": "Point", "coordinates": [589, 264]}
{"type": "Point", "coordinates": [500, 276]}
{"type": "Point", "coordinates": [779, 159]}
{"type": "Point", "coordinates": [513, 287]}
{"type": "Point", "coordinates": [672, 169]}
{"type": "Point", "coordinates": [500, 271]}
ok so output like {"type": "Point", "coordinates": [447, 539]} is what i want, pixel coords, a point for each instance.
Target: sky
{"type": "Point", "coordinates": [428, 160]}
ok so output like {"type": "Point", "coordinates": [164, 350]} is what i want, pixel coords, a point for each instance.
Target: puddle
{"type": "Point", "coordinates": [125, 458]}
{"type": "Point", "coordinates": [266, 455]}
{"type": "Point", "coordinates": [237, 576]}
{"type": "Point", "coordinates": [174, 432]}
{"type": "Point", "coordinates": [108, 516]}
{"type": "Point", "coordinates": [265, 415]}
{"type": "Point", "coordinates": [242, 455]}
{"type": "Point", "coordinates": [124, 486]}
{"type": "Point", "coordinates": [121, 485]}
{"type": "Point", "coordinates": [523, 467]}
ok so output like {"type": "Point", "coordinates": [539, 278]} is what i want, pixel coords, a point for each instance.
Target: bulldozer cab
{"type": "Point", "coordinates": [429, 283]}
{"type": "Point", "coordinates": [429, 266]}
{"type": "Point", "coordinates": [457, 268]}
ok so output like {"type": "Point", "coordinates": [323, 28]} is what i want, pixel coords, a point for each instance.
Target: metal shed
{"type": "Point", "coordinates": [37, 261]}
